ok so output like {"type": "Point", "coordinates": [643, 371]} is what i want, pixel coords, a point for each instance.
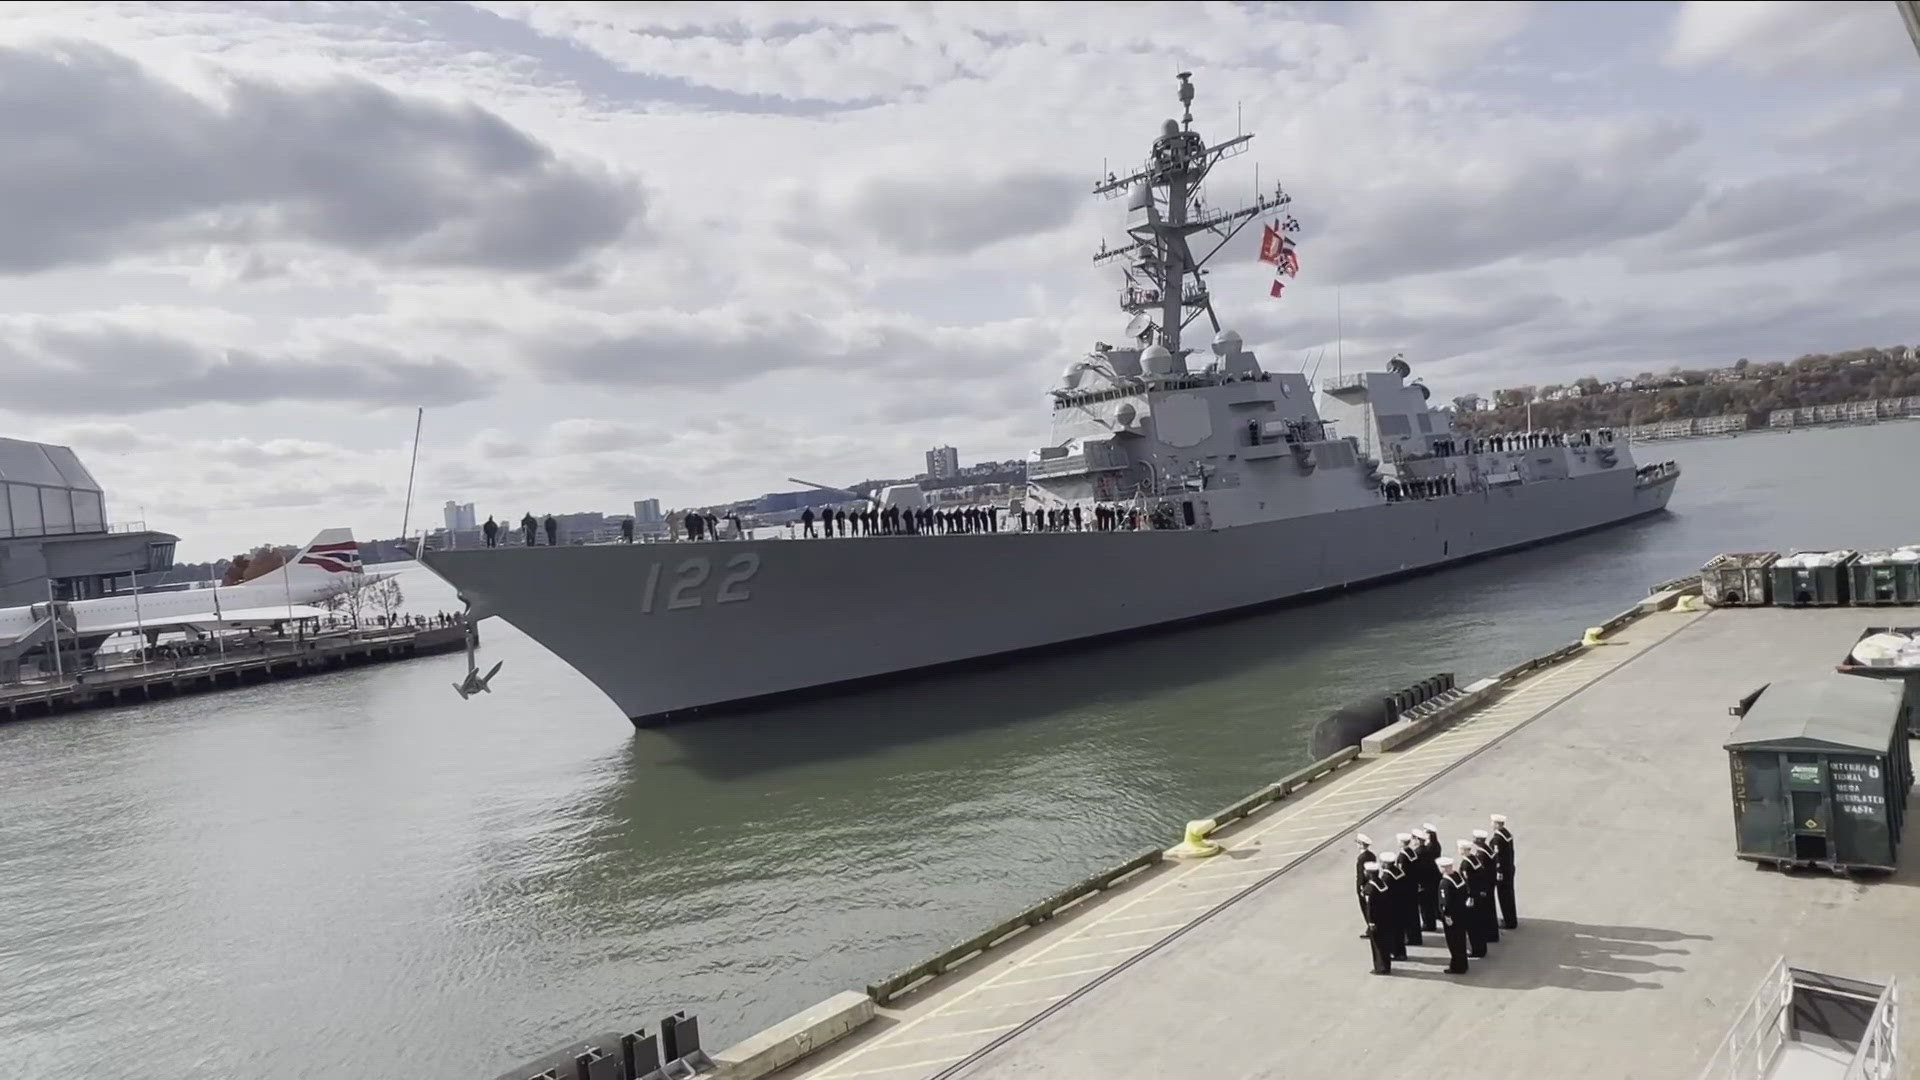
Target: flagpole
{"type": "Point", "coordinates": [139, 626]}
{"type": "Point", "coordinates": [286, 586]}
{"type": "Point", "coordinates": [219, 621]}
{"type": "Point", "coordinates": [53, 614]}
{"type": "Point", "coordinates": [406, 514]}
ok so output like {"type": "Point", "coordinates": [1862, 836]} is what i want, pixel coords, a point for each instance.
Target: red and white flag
{"type": "Point", "coordinates": [1273, 245]}
{"type": "Point", "coordinates": [1276, 247]}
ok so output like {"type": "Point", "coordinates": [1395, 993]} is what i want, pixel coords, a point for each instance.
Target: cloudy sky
{"type": "Point", "coordinates": [688, 250]}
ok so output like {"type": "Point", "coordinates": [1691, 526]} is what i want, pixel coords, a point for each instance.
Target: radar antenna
{"type": "Point", "coordinates": [1164, 210]}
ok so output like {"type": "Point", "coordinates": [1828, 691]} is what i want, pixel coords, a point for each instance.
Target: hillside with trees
{"type": "Point", "coordinates": [1680, 394]}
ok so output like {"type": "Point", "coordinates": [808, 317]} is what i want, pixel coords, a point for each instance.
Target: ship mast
{"type": "Point", "coordinates": [1166, 283]}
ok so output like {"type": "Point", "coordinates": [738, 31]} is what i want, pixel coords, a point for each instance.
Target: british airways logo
{"type": "Point", "coordinates": [334, 558]}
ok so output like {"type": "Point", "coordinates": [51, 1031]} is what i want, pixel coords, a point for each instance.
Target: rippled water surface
{"type": "Point", "coordinates": [329, 877]}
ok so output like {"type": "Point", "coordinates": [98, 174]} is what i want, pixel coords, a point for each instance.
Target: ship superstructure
{"type": "Point", "coordinates": [1243, 486]}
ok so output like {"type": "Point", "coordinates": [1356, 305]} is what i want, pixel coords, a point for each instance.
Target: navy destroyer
{"type": "Point", "coordinates": [1216, 485]}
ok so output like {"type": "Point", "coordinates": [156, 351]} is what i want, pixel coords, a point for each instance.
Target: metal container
{"type": "Point", "coordinates": [1879, 579]}
{"type": "Point", "coordinates": [1738, 579]}
{"type": "Point", "coordinates": [1907, 675]}
{"type": "Point", "coordinates": [1822, 585]}
{"type": "Point", "coordinates": [1821, 773]}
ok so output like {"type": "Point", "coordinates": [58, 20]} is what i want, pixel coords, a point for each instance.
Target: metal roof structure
{"type": "Point", "coordinates": [1834, 712]}
{"type": "Point", "coordinates": [47, 492]}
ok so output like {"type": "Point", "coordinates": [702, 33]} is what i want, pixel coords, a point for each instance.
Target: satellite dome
{"type": "Point", "coordinates": [1226, 343]}
{"type": "Point", "coordinates": [1126, 414]}
{"type": "Point", "coordinates": [1070, 378]}
{"type": "Point", "coordinates": [1169, 128]}
{"type": "Point", "coordinates": [1157, 360]}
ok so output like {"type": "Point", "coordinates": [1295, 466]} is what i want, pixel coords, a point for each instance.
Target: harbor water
{"type": "Point", "coordinates": [359, 874]}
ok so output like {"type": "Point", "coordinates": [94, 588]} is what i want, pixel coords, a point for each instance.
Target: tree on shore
{"type": "Point", "coordinates": [1760, 388]}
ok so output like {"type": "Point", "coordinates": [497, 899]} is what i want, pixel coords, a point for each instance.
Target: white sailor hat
{"type": "Point", "coordinates": [1363, 840]}
{"type": "Point", "coordinates": [1463, 845]}
{"type": "Point", "coordinates": [1396, 855]}
{"type": "Point", "coordinates": [1479, 834]}
{"type": "Point", "coordinates": [1443, 862]}
{"type": "Point", "coordinates": [1371, 867]}
{"type": "Point", "coordinates": [1499, 819]}
{"type": "Point", "coordinates": [1403, 837]}
{"type": "Point", "coordinates": [1429, 827]}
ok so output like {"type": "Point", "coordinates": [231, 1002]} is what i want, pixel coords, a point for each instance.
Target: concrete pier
{"type": "Point", "coordinates": [247, 663]}
{"type": "Point", "coordinates": [1642, 935]}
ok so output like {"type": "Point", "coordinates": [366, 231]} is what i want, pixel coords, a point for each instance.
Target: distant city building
{"type": "Point", "coordinates": [647, 512]}
{"type": "Point", "coordinates": [55, 538]}
{"type": "Point", "coordinates": [459, 516]}
{"type": "Point", "coordinates": [943, 462]}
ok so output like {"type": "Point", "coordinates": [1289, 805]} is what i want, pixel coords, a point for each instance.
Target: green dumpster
{"type": "Point", "coordinates": [1811, 578]}
{"type": "Point", "coordinates": [1886, 577]}
{"type": "Point", "coordinates": [1737, 578]}
{"type": "Point", "coordinates": [1889, 652]}
{"type": "Point", "coordinates": [1821, 774]}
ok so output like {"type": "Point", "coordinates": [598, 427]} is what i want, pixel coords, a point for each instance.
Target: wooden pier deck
{"type": "Point", "coordinates": [252, 662]}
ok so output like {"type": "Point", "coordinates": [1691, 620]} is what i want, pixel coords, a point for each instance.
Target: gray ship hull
{"type": "Point", "coordinates": [669, 630]}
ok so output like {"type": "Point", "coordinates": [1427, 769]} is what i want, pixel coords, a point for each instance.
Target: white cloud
{"type": "Point", "coordinates": [141, 360]}
{"type": "Point", "coordinates": [256, 237]}
{"type": "Point", "coordinates": [106, 160]}
{"type": "Point", "coordinates": [1437, 36]}
{"type": "Point", "coordinates": [1787, 37]}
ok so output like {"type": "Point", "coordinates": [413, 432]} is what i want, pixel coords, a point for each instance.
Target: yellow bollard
{"type": "Point", "coordinates": [1592, 637]}
{"type": "Point", "coordinates": [1196, 845]}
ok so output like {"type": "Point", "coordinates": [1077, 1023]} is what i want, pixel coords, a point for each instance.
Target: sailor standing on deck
{"type": "Point", "coordinates": [1426, 879]}
{"type": "Point", "coordinates": [1472, 868]}
{"type": "Point", "coordinates": [1502, 844]}
{"type": "Point", "coordinates": [1406, 912]}
{"type": "Point", "coordinates": [1360, 880]}
{"type": "Point", "coordinates": [1377, 900]}
{"type": "Point", "coordinates": [1490, 918]}
{"type": "Point", "coordinates": [1454, 899]}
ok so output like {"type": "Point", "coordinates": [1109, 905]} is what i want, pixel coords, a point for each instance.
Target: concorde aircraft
{"type": "Point", "coordinates": [326, 566]}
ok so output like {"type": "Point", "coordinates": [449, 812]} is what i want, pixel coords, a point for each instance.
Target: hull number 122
{"type": "Point", "coordinates": [692, 583]}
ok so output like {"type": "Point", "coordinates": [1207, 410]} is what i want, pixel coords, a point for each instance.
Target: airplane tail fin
{"type": "Point", "coordinates": [329, 556]}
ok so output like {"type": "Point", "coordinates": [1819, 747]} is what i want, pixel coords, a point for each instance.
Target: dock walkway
{"type": "Point", "coordinates": [267, 659]}
{"type": "Point", "coordinates": [1641, 936]}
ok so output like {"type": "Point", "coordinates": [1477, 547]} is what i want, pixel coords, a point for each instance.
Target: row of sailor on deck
{"type": "Point", "coordinates": [926, 521]}
{"type": "Point", "coordinates": [1416, 888]}
{"type": "Point", "coordinates": [900, 521]}
{"type": "Point", "coordinates": [1518, 440]}
{"type": "Point", "coordinates": [1418, 487]}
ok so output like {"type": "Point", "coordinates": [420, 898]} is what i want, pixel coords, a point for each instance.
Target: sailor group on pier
{"type": "Point", "coordinates": [1414, 889]}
